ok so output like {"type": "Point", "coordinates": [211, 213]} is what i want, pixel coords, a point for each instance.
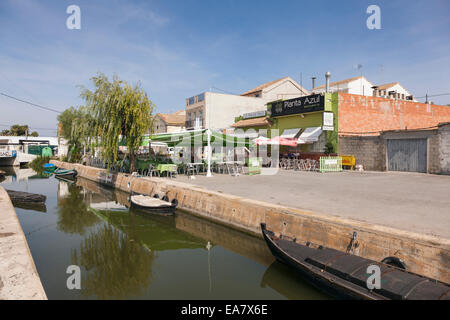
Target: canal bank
{"type": "Point", "coordinates": [422, 254]}
{"type": "Point", "coordinates": [19, 279]}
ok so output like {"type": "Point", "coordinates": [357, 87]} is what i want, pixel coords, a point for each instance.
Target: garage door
{"type": "Point", "coordinates": [407, 155]}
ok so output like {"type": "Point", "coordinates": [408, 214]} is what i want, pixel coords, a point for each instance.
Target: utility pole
{"type": "Point", "coordinates": [301, 82]}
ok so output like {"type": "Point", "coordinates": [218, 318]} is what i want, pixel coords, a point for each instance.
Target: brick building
{"type": "Point", "coordinates": [398, 135]}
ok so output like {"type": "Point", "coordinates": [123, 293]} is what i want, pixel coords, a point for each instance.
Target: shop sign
{"type": "Point", "coordinates": [328, 121]}
{"type": "Point", "coordinates": [8, 154]}
{"type": "Point", "coordinates": [312, 103]}
{"type": "Point", "coordinates": [255, 114]}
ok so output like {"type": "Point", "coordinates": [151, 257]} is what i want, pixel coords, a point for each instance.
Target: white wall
{"type": "Point", "coordinates": [284, 90]}
{"type": "Point", "coordinates": [361, 86]}
{"type": "Point", "coordinates": [53, 141]}
{"type": "Point", "coordinates": [221, 109]}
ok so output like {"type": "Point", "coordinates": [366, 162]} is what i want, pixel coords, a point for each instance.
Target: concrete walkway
{"type": "Point", "coordinates": [19, 279]}
{"type": "Point", "coordinates": [408, 201]}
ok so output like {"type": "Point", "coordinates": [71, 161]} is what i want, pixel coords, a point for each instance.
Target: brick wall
{"type": "Point", "coordinates": [367, 114]}
{"type": "Point", "coordinates": [368, 150]}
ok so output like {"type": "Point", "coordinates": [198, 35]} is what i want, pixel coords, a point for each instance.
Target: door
{"type": "Point", "coordinates": [407, 155]}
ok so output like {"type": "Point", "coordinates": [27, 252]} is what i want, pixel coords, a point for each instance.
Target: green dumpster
{"type": "Point", "coordinates": [47, 152]}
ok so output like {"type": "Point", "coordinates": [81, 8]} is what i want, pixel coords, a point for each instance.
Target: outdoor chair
{"type": "Point", "coordinates": [191, 170]}
{"type": "Point", "coordinates": [182, 168]}
{"type": "Point", "coordinates": [173, 172]}
{"type": "Point", "coordinates": [222, 167]}
{"type": "Point", "coordinates": [152, 171]}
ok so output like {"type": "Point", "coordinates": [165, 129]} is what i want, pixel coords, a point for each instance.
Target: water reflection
{"type": "Point", "coordinates": [116, 266]}
{"type": "Point", "coordinates": [152, 231]}
{"type": "Point", "coordinates": [288, 282]}
{"type": "Point", "coordinates": [73, 216]}
{"type": "Point", "coordinates": [132, 254]}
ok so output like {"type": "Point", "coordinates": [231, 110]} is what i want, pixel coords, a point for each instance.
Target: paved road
{"type": "Point", "coordinates": [408, 201]}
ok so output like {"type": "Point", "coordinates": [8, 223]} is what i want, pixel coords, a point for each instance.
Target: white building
{"type": "Point", "coordinates": [25, 148]}
{"type": "Point", "coordinates": [392, 90]}
{"type": "Point", "coordinates": [218, 111]}
{"type": "Point", "coordinates": [357, 85]}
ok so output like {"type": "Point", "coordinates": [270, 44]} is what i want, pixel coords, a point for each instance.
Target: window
{"type": "Point", "coordinates": [201, 97]}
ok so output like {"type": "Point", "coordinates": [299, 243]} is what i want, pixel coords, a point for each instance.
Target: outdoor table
{"type": "Point", "coordinates": [166, 167]}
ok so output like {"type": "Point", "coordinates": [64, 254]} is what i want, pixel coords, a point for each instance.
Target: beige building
{"type": "Point", "coordinates": [169, 123]}
{"type": "Point", "coordinates": [218, 111]}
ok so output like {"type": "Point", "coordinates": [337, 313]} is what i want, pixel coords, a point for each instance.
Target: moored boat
{"type": "Point", "coordinates": [49, 167]}
{"type": "Point", "coordinates": [68, 174]}
{"type": "Point", "coordinates": [153, 204]}
{"type": "Point", "coordinates": [344, 275]}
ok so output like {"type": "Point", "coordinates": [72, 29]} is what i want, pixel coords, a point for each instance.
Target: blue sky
{"type": "Point", "coordinates": [177, 49]}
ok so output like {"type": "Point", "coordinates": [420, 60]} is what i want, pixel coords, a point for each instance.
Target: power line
{"type": "Point", "coordinates": [30, 103]}
{"type": "Point", "coordinates": [434, 95]}
{"type": "Point", "coordinates": [10, 125]}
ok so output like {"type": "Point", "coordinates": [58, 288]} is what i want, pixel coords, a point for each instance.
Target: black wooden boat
{"type": "Point", "coordinates": [344, 275]}
{"type": "Point", "coordinates": [153, 204]}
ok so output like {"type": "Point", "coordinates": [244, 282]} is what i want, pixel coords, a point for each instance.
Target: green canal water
{"type": "Point", "coordinates": [128, 255]}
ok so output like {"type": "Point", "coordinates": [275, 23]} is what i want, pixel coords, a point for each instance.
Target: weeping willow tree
{"type": "Point", "coordinates": [116, 110]}
{"type": "Point", "coordinates": [75, 126]}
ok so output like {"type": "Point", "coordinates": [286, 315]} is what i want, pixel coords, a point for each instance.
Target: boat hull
{"type": "Point", "coordinates": [67, 174]}
{"type": "Point", "coordinates": [162, 210]}
{"type": "Point", "coordinates": [344, 276]}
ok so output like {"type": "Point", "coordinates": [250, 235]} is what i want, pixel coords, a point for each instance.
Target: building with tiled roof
{"type": "Point", "coordinates": [218, 110]}
{"type": "Point", "coordinates": [356, 85]}
{"type": "Point", "coordinates": [169, 122]}
{"type": "Point", "coordinates": [253, 122]}
{"type": "Point", "coordinates": [284, 88]}
{"type": "Point", "coordinates": [393, 90]}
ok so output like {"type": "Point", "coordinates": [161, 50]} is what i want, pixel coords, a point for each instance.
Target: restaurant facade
{"type": "Point", "coordinates": [350, 123]}
{"type": "Point", "coordinates": [312, 121]}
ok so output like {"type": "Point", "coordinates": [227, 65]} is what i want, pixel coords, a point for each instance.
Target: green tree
{"type": "Point", "coordinates": [16, 130]}
{"type": "Point", "coordinates": [19, 130]}
{"type": "Point", "coordinates": [75, 125]}
{"type": "Point", "coordinates": [117, 109]}
{"type": "Point", "coordinates": [34, 134]}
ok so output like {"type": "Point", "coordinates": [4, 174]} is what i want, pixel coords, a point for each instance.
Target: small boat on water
{"type": "Point", "coordinates": [153, 204]}
{"type": "Point", "coordinates": [64, 173]}
{"type": "Point", "coordinates": [49, 167]}
{"type": "Point", "coordinates": [344, 275]}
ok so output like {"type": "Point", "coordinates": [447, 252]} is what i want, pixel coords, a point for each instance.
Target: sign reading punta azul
{"type": "Point", "coordinates": [312, 103]}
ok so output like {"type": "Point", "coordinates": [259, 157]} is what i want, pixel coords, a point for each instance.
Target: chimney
{"type": "Point", "coordinates": [313, 82]}
{"type": "Point", "coordinates": [327, 81]}
{"type": "Point", "coordinates": [375, 92]}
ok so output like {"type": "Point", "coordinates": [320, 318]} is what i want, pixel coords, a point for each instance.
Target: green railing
{"type": "Point", "coordinates": [330, 164]}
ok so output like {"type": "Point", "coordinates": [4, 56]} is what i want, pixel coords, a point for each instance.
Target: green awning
{"type": "Point", "coordinates": [187, 138]}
